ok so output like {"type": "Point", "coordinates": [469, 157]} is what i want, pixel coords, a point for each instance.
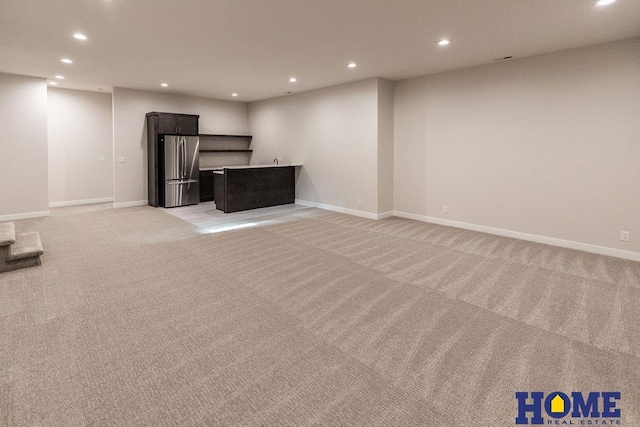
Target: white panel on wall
{"type": "Point", "coordinates": [23, 147]}
{"type": "Point", "coordinates": [80, 147]}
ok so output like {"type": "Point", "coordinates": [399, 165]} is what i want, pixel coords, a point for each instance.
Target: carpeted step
{"type": "Point", "coordinates": [7, 233]}
{"type": "Point", "coordinates": [27, 245]}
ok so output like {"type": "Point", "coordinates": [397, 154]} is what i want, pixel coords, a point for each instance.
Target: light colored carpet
{"type": "Point", "coordinates": [135, 318]}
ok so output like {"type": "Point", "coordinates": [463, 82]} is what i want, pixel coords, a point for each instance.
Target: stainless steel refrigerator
{"type": "Point", "coordinates": [181, 168]}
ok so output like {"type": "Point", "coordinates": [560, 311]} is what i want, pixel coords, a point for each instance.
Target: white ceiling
{"type": "Point", "coordinates": [212, 48]}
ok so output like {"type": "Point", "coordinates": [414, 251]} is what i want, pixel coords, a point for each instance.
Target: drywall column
{"type": "Point", "coordinates": [23, 147]}
{"type": "Point", "coordinates": [385, 147]}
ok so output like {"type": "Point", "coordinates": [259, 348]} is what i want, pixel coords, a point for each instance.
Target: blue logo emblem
{"type": "Point", "coordinates": [534, 406]}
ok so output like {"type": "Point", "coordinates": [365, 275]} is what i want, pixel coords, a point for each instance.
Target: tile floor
{"type": "Point", "coordinates": [210, 220]}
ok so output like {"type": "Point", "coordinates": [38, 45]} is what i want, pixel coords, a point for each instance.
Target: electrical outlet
{"type": "Point", "coordinates": [359, 202]}
{"type": "Point", "coordinates": [445, 209]}
{"type": "Point", "coordinates": [625, 236]}
{"type": "Point", "coordinates": [102, 158]}
{"type": "Point", "coordinates": [120, 159]}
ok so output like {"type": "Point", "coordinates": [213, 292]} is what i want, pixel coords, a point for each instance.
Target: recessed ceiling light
{"type": "Point", "coordinates": [352, 65]}
{"type": "Point", "coordinates": [59, 77]}
{"type": "Point", "coordinates": [444, 42]}
{"type": "Point", "coordinates": [66, 61]}
{"type": "Point", "coordinates": [234, 94]}
{"type": "Point", "coordinates": [164, 84]}
{"type": "Point", "coordinates": [293, 79]}
{"type": "Point", "coordinates": [53, 83]}
{"type": "Point", "coordinates": [79, 36]}
{"type": "Point", "coordinates": [604, 2]}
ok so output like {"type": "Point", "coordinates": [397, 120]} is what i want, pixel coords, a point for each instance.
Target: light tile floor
{"type": "Point", "coordinates": [210, 220]}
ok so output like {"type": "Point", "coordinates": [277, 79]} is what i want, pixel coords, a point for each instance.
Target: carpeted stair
{"type": "Point", "coordinates": [20, 250]}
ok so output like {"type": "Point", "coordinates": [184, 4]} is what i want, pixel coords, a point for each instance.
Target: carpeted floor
{"type": "Point", "coordinates": [136, 318]}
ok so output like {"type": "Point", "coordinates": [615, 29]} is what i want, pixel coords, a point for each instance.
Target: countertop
{"type": "Point", "coordinates": [221, 168]}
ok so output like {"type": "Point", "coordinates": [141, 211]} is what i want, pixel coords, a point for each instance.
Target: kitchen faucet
{"type": "Point", "coordinates": [275, 160]}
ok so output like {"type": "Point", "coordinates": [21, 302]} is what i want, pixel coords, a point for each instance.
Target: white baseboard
{"type": "Point", "coordinates": [385, 215]}
{"type": "Point", "coordinates": [26, 215]}
{"type": "Point", "coordinates": [80, 202]}
{"type": "Point", "coordinates": [600, 250]}
{"type": "Point", "coordinates": [339, 209]}
{"type": "Point", "coordinates": [130, 204]}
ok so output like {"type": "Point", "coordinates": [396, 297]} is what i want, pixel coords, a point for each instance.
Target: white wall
{"type": "Point", "coordinates": [333, 133]}
{"type": "Point", "coordinates": [547, 145]}
{"type": "Point", "coordinates": [130, 140]}
{"type": "Point", "coordinates": [80, 133]}
{"type": "Point", "coordinates": [23, 147]}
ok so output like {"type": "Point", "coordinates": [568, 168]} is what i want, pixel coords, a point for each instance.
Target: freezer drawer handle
{"type": "Point", "coordinates": [191, 181]}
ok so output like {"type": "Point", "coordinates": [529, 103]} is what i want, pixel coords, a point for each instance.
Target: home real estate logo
{"type": "Point", "coordinates": [598, 408]}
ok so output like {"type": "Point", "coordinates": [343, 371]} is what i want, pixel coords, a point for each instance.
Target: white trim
{"type": "Point", "coordinates": [600, 250]}
{"type": "Point", "coordinates": [332, 208]}
{"type": "Point", "coordinates": [385, 215]}
{"type": "Point", "coordinates": [406, 215]}
{"type": "Point", "coordinates": [130, 204]}
{"type": "Point", "coordinates": [26, 215]}
{"type": "Point", "coordinates": [80, 202]}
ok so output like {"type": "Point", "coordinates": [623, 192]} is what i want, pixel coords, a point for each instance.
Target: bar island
{"type": "Point", "coordinates": [240, 188]}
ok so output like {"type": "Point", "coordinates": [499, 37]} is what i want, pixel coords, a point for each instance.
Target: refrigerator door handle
{"type": "Point", "coordinates": [179, 159]}
{"type": "Point", "coordinates": [184, 157]}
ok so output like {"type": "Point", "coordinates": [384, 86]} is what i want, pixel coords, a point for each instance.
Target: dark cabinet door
{"type": "Point", "coordinates": [206, 186]}
{"type": "Point", "coordinates": [187, 125]}
{"type": "Point", "coordinates": [219, 191]}
{"type": "Point", "coordinates": [152, 159]}
{"type": "Point", "coordinates": [168, 124]}
{"type": "Point", "coordinates": [178, 124]}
